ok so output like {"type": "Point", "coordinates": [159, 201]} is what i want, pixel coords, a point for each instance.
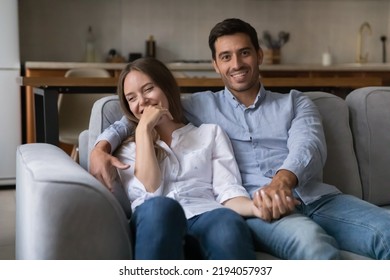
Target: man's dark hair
{"type": "Point", "coordinates": [232, 26]}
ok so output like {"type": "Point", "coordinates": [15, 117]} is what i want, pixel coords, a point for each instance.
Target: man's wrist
{"type": "Point", "coordinates": [104, 146]}
{"type": "Point", "coordinates": [287, 178]}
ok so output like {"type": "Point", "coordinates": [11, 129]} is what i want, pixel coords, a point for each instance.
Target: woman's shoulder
{"type": "Point", "coordinates": [210, 128]}
{"type": "Point", "coordinates": [206, 126]}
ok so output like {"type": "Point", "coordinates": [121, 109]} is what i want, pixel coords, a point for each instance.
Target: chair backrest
{"type": "Point", "coordinates": [370, 123]}
{"type": "Point", "coordinates": [75, 109]}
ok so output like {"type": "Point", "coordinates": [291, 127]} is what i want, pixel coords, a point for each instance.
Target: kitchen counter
{"type": "Point", "coordinates": [339, 79]}
{"type": "Point", "coordinates": [177, 66]}
{"type": "Point", "coordinates": [37, 65]}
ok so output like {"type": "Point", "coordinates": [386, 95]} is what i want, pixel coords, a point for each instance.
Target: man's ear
{"type": "Point", "coordinates": [260, 56]}
{"type": "Point", "coordinates": [216, 66]}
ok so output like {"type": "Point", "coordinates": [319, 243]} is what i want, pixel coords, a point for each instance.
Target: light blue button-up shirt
{"type": "Point", "coordinates": [279, 131]}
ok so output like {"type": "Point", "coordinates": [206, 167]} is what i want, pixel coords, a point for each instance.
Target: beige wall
{"type": "Point", "coordinates": [54, 30]}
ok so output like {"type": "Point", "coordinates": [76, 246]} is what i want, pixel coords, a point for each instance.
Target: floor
{"type": "Point", "coordinates": [7, 223]}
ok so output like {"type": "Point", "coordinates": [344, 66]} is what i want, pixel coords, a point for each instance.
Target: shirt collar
{"type": "Point", "coordinates": [233, 100]}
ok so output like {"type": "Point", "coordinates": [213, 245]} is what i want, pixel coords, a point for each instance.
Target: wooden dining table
{"type": "Point", "coordinates": [47, 89]}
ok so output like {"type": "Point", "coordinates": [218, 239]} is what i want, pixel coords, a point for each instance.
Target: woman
{"type": "Point", "coordinates": [178, 167]}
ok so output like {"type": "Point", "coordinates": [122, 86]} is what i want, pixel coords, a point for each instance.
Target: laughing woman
{"type": "Point", "coordinates": [183, 180]}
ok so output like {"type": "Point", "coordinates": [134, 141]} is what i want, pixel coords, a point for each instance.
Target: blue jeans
{"type": "Point", "coordinates": [222, 235]}
{"type": "Point", "coordinates": [320, 229]}
{"type": "Point", "coordinates": [158, 228]}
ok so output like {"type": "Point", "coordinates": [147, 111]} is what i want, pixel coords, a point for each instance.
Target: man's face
{"type": "Point", "coordinates": [237, 61]}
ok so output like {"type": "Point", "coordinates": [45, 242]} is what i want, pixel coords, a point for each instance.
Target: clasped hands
{"type": "Point", "coordinates": [275, 200]}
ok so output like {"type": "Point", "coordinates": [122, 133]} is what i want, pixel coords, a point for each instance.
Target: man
{"type": "Point", "coordinates": [279, 144]}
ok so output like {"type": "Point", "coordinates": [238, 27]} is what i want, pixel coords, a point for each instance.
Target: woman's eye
{"type": "Point", "coordinates": [130, 98]}
{"type": "Point", "coordinates": [149, 89]}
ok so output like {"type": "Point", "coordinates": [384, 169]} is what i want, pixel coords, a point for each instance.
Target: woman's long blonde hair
{"type": "Point", "coordinates": [162, 78]}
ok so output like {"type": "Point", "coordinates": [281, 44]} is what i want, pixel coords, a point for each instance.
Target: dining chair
{"type": "Point", "coordinates": [74, 110]}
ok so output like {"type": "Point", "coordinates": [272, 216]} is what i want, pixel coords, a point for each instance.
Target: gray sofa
{"type": "Point", "coordinates": [65, 213]}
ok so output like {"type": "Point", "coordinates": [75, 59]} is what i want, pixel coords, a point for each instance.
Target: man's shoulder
{"type": "Point", "coordinates": [291, 96]}
{"type": "Point", "coordinates": [201, 96]}
{"type": "Point", "coordinates": [291, 93]}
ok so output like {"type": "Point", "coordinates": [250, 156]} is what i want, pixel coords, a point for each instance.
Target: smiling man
{"type": "Point", "coordinates": [280, 148]}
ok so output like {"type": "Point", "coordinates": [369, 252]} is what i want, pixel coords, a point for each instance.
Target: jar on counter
{"type": "Point", "coordinates": [150, 47]}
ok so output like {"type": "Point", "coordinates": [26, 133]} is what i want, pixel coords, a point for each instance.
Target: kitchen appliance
{"type": "Point", "coordinates": [10, 104]}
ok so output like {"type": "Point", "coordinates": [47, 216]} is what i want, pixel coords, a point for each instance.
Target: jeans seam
{"type": "Point", "coordinates": [383, 241]}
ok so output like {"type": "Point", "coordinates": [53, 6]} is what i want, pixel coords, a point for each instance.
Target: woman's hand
{"type": "Point", "coordinates": [147, 168]}
{"type": "Point", "coordinates": [151, 116]}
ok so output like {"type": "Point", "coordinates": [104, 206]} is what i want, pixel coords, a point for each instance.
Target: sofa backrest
{"type": "Point", "coordinates": [370, 123]}
{"type": "Point", "coordinates": [341, 167]}
{"type": "Point", "coordinates": [105, 112]}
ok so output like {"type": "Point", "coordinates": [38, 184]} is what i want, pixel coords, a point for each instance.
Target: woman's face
{"type": "Point", "coordinates": [140, 91]}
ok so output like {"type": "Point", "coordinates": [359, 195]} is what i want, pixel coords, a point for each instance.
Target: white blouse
{"type": "Point", "coordinates": [200, 170]}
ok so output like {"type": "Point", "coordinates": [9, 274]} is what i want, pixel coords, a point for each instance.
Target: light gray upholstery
{"type": "Point", "coordinates": [104, 113]}
{"type": "Point", "coordinates": [83, 153]}
{"type": "Point", "coordinates": [63, 212]}
{"type": "Point", "coordinates": [341, 168]}
{"type": "Point", "coordinates": [370, 122]}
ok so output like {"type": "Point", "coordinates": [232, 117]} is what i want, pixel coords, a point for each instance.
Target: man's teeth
{"type": "Point", "coordinates": [238, 74]}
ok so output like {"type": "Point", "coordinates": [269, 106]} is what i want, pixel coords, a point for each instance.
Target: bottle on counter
{"type": "Point", "coordinates": [150, 47]}
{"type": "Point", "coordinates": [327, 58]}
{"type": "Point", "coordinates": [90, 48]}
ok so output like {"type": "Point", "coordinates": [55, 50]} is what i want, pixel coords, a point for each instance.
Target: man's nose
{"type": "Point", "coordinates": [236, 60]}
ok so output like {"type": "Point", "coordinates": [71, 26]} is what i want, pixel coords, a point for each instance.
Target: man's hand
{"type": "Point", "coordinates": [276, 199]}
{"type": "Point", "coordinates": [103, 166]}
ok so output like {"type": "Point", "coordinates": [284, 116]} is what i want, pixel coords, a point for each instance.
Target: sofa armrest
{"type": "Point", "coordinates": [83, 149]}
{"type": "Point", "coordinates": [63, 212]}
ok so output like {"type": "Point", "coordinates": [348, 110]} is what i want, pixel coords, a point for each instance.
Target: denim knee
{"type": "Point", "coordinates": [161, 209]}
{"type": "Point", "coordinates": [231, 227]}
{"type": "Point", "coordinates": [229, 237]}
{"type": "Point", "coordinates": [294, 237]}
{"type": "Point", "coordinates": [158, 229]}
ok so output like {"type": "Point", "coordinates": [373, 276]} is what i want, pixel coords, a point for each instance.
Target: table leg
{"type": "Point", "coordinates": [46, 115]}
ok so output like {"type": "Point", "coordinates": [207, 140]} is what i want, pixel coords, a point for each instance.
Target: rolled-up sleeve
{"type": "Point", "coordinates": [116, 133]}
{"type": "Point", "coordinates": [306, 142]}
{"type": "Point", "coordinates": [134, 188]}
